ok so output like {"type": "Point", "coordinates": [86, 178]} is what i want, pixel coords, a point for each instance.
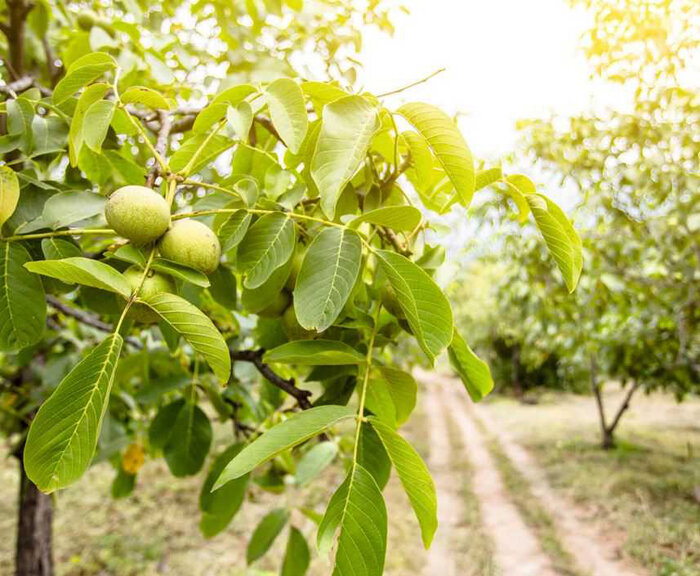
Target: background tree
{"type": "Point", "coordinates": [635, 316]}
{"type": "Point", "coordinates": [180, 201]}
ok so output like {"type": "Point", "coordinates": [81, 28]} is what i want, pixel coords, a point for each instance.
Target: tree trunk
{"type": "Point", "coordinates": [517, 384]}
{"type": "Point", "coordinates": [34, 530]}
{"type": "Point", "coordinates": [607, 440]}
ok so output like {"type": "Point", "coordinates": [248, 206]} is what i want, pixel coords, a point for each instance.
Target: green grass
{"type": "Point", "coordinates": [641, 493]}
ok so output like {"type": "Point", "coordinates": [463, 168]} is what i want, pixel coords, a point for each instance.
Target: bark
{"type": "Point", "coordinates": [34, 556]}
{"type": "Point", "coordinates": [606, 436]}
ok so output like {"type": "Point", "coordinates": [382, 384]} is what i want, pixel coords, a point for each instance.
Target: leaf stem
{"type": "Point", "coordinates": [365, 382]}
{"type": "Point", "coordinates": [137, 290]}
{"type": "Point", "coordinates": [57, 233]}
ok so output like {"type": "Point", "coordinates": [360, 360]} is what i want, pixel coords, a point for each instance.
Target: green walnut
{"type": "Point", "coordinates": [297, 261]}
{"type": "Point", "coordinates": [153, 284]}
{"type": "Point", "coordinates": [292, 329]}
{"type": "Point", "coordinates": [138, 213]}
{"type": "Point", "coordinates": [277, 306]}
{"type": "Point", "coordinates": [389, 300]}
{"type": "Point", "coordinates": [193, 244]}
{"type": "Point", "coordinates": [86, 20]}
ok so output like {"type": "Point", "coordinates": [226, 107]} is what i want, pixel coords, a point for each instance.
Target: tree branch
{"type": "Point", "coordinates": [87, 319]}
{"type": "Point", "coordinates": [161, 145]}
{"type": "Point", "coordinates": [288, 386]}
{"type": "Point", "coordinates": [14, 31]}
{"type": "Point", "coordinates": [623, 407]}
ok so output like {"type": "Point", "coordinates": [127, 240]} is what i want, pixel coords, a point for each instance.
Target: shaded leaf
{"type": "Point", "coordinates": [188, 445]}
{"type": "Point", "coordinates": [328, 273]}
{"type": "Point", "coordinates": [346, 133]}
{"type": "Point", "coordinates": [265, 534]}
{"type": "Point", "coordinates": [297, 556]}
{"type": "Point", "coordinates": [314, 353]}
{"type": "Point", "coordinates": [22, 304]}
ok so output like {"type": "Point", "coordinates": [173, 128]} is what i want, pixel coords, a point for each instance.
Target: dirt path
{"type": "Point", "coordinates": [516, 549]}
{"type": "Point", "coordinates": [593, 554]}
{"type": "Point", "coordinates": [441, 559]}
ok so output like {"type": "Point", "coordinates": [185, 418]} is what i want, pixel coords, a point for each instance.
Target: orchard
{"type": "Point", "coordinates": [207, 225]}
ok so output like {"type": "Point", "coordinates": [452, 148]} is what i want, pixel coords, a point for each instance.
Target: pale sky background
{"type": "Point", "coordinates": [505, 60]}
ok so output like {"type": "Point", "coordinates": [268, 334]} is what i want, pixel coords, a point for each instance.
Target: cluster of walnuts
{"type": "Point", "coordinates": [143, 216]}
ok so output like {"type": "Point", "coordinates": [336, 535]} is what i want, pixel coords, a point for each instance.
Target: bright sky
{"type": "Point", "coordinates": [505, 60]}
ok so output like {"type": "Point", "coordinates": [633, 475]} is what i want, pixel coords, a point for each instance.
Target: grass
{"type": "Point", "coordinates": [642, 492]}
{"type": "Point", "coordinates": [155, 531]}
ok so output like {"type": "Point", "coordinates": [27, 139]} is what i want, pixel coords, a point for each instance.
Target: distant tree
{"type": "Point", "coordinates": [198, 208]}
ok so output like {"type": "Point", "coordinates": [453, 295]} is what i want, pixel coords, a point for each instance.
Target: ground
{"type": "Point", "coordinates": [636, 505]}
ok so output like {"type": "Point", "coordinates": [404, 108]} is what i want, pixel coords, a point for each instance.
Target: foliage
{"type": "Point", "coordinates": [302, 184]}
{"type": "Point", "coordinates": [636, 315]}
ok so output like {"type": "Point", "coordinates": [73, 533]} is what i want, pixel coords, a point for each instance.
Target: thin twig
{"type": "Point", "coordinates": [412, 84]}
{"type": "Point", "coordinates": [87, 319]}
{"type": "Point", "coordinates": [161, 146]}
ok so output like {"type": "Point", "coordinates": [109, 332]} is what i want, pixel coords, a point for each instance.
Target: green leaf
{"type": "Point", "coordinates": [146, 96]}
{"type": "Point", "coordinates": [218, 508]}
{"type": "Point", "coordinates": [257, 299]}
{"type": "Point", "coordinates": [414, 476]}
{"type": "Point", "coordinates": [346, 133]}
{"type": "Point", "coordinates": [297, 429]}
{"type": "Point", "coordinates": [268, 244]}
{"type": "Point", "coordinates": [63, 435]}
{"type": "Point", "coordinates": [223, 286]}
{"type": "Point", "coordinates": [427, 309]}
{"type": "Point", "coordinates": [297, 556]}
{"type": "Point", "coordinates": [123, 484]}
{"type": "Point", "coordinates": [195, 327]}
{"type": "Point", "coordinates": [82, 72]}
{"type": "Point", "coordinates": [20, 116]}
{"type": "Point", "coordinates": [487, 177]}
{"type": "Point", "coordinates": [240, 119]}
{"type": "Point", "coordinates": [181, 272]}
{"type": "Point", "coordinates": [447, 143]}
{"type": "Point", "coordinates": [83, 271]}
{"type": "Point", "coordinates": [379, 401]}
{"type": "Point", "coordinates": [89, 96]}
{"type": "Point", "coordinates": [191, 147]}
{"type": "Point", "coordinates": [358, 509]}
{"type": "Point", "coordinates": [66, 208]}
{"type": "Point", "coordinates": [163, 424]}
{"type": "Point", "coordinates": [22, 304]}
{"type": "Point", "coordinates": [517, 189]}
{"type": "Point", "coordinates": [234, 229]}
{"type": "Point", "coordinates": [372, 456]}
{"type": "Point", "coordinates": [288, 112]}
{"type": "Point", "coordinates": [265, 534]}
{"type": "Point", "coordinates": [403, 390]}
{"type": "Point", "coordinates": [215, 111]}
{"type": "Point", "coordinates": [189, 442]}
{"type": "Point", "coordinates": [9, 193]}
{"type": "Point", "coordinates": [326, 278]}
{"type": "Point", "coordinates": [472, 370]}
{"type": "Point", "coordinates": [562, 240]}
{"type": "Point", "coordinates": [96, 123]}
{"type": "Point", "coordinates": [314, 462]}
{"type": "Point", "coordinates": [314, 353]}
{"type": "Point", "coordinates": [59, 248]}
{"type": "Point", "coordinates": [399, 218]}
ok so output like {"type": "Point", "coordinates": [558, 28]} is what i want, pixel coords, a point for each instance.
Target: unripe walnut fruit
{"type": "Point", "coordinates": [86, 20]}
{"type": "Point", "coordinates": [138, 213]}
{"type": "Point", "coordinates": [292, 329]}
{"type": "Point", "coordinates": [390, 301]}
{"type": "Point", "coordinates": [277, 306]}
{"type": "Point", "coordinates": [153, 284]}
{"type": "Point", "coordinates": [193, 244]}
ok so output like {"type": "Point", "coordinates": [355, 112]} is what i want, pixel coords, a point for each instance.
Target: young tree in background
{"type": "Point", "coordinates": [178, 202]}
